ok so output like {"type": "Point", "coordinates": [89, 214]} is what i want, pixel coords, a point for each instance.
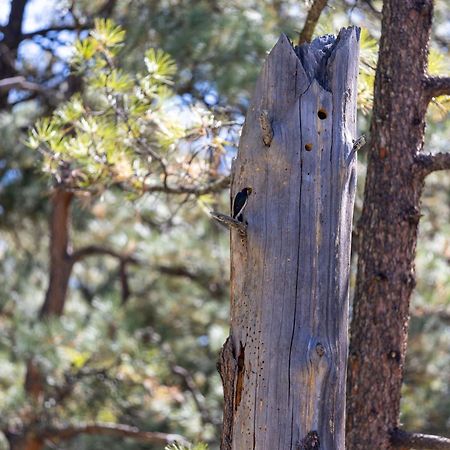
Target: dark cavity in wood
{"type": "Point", "coordinates": [240, 376]}
{"type": "Point", "coordinates": [227, 369]}
{"type": "Point", "coordinates": [310, 442]}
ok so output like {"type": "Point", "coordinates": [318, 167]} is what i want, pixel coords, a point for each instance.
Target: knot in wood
{"type": "Point", "coordinates": [320, 349]}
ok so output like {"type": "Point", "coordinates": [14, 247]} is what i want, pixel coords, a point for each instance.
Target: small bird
{"type": "Point", "coordinates": [240, 202]}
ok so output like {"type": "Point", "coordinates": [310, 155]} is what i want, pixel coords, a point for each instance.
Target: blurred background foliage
{"type": "Point", "coordinates": [128, 116]}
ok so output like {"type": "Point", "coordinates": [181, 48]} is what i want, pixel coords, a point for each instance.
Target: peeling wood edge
{"type": "Point", "coordinates": [227, 367]}
{"type": "Point", "coordinates": [266, 127]}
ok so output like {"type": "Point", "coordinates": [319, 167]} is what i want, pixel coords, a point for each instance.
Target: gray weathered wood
{"type": "Point", "coordinates": [284, 364]}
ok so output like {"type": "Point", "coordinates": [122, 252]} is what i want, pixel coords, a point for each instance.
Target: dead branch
{"type": "Point", "coordinates": [436, 86]}
{"type": "Point", "coordinates": [418, 441]}
{"type": "Point", "coordinates": [432, 162]}
{"type": "Point", "coordinates": [229, 222]}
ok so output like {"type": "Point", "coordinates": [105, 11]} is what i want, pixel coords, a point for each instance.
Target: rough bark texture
{"type": "Point", "coordinates": [388, 227]}
{"type": "Point", "coordinates": [284, 364]}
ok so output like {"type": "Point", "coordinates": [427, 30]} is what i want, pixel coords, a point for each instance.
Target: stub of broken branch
{"type": "Point", "coordinates": [358, 144]}
{"type": "Point", "coordinates": [404, 439]}
{"type": "Point", "coordinates": [229, 222]}
{"type": "Point", "coordinates": [266, 127]}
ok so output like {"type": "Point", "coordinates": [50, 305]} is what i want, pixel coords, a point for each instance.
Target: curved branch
{"type": "Point", "coordinates": [311, 21]}
{"type": "Point", "coordinates": [436, 86]}
{"type": "Point", "coordinates": [112, 429]}
{"type": "Point", "coordinates": [432, 162]}
{"type": "Point", "coordinates": [93, 250]}
{"type": "Point", "coordinates": [418, 441]}
{"type": "Point", "coordinates": [203, 279]}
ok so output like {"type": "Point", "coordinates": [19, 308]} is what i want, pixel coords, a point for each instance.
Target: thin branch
{"type": "Point", "coordinates": [418, 441]}
{"type": "Point", "coordinates": [311, 21]}
{"type": "Point", "coordinates": [93, 250]}
{"type": "Point", "coordinates": [111, 429]}
{"type": "Point", "coordinates": [19, 82]}
{"type": "Point", "coordinates": [214, 186]}
{"type": "Point", "coordinates": [202, 278]}
{"type": "Point", "coordinates": [432, 162]}
{"type": "Point", "coordinates": [56, 28]}
{"type": "Point", "coordinates": [197, 396]}
{"type": "Point", "coordinates": [436, 86]}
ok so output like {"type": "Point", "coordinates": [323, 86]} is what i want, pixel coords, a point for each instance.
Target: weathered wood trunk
{"type": "Point", "coordinates": [284, 365]}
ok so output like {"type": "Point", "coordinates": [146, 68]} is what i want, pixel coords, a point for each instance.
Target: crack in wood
{"type": "Point", "coordinates": [239, 377]}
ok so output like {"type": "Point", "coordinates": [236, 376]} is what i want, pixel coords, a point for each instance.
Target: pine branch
{"type": "Point", "coordinates": [432, 162]}
{"type": "Point", "coordinates": [436, 86]}
{"type": "Point", "coordinates": [418, 441]}
{"type": "Point", "coordinates": [112, 429]}
{"type": "Point", "coordinates": [311, 21]}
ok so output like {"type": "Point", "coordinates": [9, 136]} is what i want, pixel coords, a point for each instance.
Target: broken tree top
{"type": "Point", "coordinates": [314, 56]}
{"type": "Point", "coordinates": [289, 276]}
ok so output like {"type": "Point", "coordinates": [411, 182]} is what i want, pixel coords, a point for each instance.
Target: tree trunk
{"type": "Point", "coordinates": [388, 227]}
{"type": "Point", "coordinates": [284, 365]}
{"type": "Point", "coordinates": [61, 262]}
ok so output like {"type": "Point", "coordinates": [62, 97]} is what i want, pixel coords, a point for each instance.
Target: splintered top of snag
{"type": "Point", "coordinates": [317, 55]}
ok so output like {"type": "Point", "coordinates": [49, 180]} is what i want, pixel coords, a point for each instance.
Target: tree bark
{"type": "Point", "coordinates": [388, 227]}
{"type": "Point", "coordinates": [61, 262]}
{"type": "Point", "coordinates": [283, 366]}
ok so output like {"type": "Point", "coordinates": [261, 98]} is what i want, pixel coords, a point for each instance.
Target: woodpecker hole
{"type": "Point", "coordinates": [308, 147]}
{"type": "Point", "coordinates": [322, 114]}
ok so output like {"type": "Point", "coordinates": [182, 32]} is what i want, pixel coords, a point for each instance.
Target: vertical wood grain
{"type": "Point", "coordinates": [285, 360]}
